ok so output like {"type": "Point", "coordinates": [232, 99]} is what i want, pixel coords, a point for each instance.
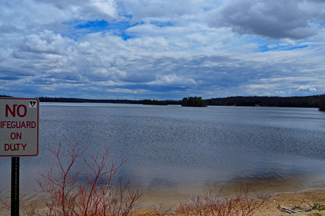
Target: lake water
{"type": "Point", "coordinates": [173, 151]}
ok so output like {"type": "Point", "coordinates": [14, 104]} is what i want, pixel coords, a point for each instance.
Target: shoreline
{"type": "Point", "coordinates": [292, 199]}
{"type": "Point", "coordinates": [269, 208]}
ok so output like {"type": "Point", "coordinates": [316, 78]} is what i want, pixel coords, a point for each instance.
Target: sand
{"type": "Point", "coordinates": [288, 200]}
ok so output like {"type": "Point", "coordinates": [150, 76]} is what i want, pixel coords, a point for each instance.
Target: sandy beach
{"type": "Point", "coordinates": [289, 200]}
{"type": "Point", "coordinates": [270, 208]}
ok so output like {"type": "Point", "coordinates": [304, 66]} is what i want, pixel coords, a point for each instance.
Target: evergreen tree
{"type": "Point", "coordinates": [193, 101]}
{"type": "Point", "coordinates": [322, 103]}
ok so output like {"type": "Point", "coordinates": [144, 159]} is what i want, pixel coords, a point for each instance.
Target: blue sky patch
{"type": "Point", "coordinates": [102, 25]}
{"type": "Point", "coordinates": [82, 28]}
{"type": "Point", "coordinates": [161, 24]}
{"type": "Point", "coordinates": [266, 48]}
{"type": "Point", "coordinates": [265, 45]}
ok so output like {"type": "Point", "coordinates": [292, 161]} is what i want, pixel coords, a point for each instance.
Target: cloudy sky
{"type": "Point", "coordinates": [161, 49]}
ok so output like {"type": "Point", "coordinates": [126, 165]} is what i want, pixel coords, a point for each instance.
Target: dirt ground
{"type": "Point", "coordinates": [287, 200]}
{"type": "Point", "coordinates": [290, 200]}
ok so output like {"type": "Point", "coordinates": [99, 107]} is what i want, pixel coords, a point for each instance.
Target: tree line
{"type": "Point", "coordinates": [322, 103]}
{"type": "Point", "coordinates": [153, 102]}
{"type": "Point", "coordinates": [317, 101]}
{"type": "Point", "coordinates": [193, 102]}
{"type": "Point", "coordinates": [295, 101]}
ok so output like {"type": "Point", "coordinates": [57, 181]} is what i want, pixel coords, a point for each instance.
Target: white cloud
{"type": "Point", "coordinates": [129, 91]}
{"type": "Point", "coordinates": [172, 79]}
{"type": "Point", "coordinates": [45, 42]}
{"type": "Point", "coordinates": [178, 47]}
{"type": "Point", "coordinates": [306, 87]}
{"type": "Point", "coordinates": [293, 19]}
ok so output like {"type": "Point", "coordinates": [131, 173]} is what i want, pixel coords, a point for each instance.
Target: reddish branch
{"type": "Point", "coordinates": [158, 210]}
{"type": "Point", "coordinates": [95, 195]}
{"type": "Point", "coordinates": [61, 187]}
{"type": "Point", "coordinates": [5, 202]}
{"type": "Point", "coordinates": [212, 204]}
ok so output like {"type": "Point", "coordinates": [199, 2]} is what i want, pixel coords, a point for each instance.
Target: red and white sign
{"type": "Point", "coordinates": [19, 127]}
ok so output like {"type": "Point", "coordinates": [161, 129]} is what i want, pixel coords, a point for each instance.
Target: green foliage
{"type": "Point", "coordinates": [319, 207]}
{"type": "Point", "coordinates": [193, 102]}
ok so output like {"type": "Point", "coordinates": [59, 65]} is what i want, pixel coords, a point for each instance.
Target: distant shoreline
{"type": "Point", "coordinates": [313, 101]}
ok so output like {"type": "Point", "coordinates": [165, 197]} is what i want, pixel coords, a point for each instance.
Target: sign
{"type": "Point", "coordinates": [19, 127]}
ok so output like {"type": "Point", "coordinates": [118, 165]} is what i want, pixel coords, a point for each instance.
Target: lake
{"type": "Point", "coordinates": [173, 151]}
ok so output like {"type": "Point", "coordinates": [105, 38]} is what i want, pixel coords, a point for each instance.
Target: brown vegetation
{"type": "Point", "coordinates": [70, 190]}
{"type": "Point", "coordinates": [213, 205]}
{"type": "Point", "coordinates": [75, 192]}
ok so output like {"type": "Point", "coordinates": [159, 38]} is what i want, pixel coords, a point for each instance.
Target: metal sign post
{"type": "Point", "coordinates": [19, 134]}
{"type": "Point", "coordinates": [15, 186]}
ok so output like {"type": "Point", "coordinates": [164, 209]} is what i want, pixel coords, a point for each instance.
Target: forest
{"type": "Point", "coordinates": [316, 101]}
{"type": "Point", "coordinates": [193, 102]}
{"type": "Point", "coordinates": [295, 101]}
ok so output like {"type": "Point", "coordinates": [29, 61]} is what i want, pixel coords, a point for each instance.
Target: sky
{"type": "Point", "coordinates": [161, 49]}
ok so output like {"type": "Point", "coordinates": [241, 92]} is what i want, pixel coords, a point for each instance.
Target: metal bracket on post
{"type": "Point", "coordinates": [15, 186]}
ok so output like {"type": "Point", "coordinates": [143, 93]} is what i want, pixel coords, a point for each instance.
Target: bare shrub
{"type": "Point", "coordinates": [212, 204]}
{"type": "Point", "coordinates": [74, 192]}
{"type": "Point", "coordinates": [5, 202]}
